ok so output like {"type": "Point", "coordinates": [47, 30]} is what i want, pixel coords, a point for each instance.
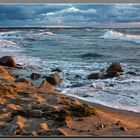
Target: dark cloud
{"type": "Point", "coordinates": [65, 14]}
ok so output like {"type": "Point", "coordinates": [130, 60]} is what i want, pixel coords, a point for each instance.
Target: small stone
{"type": "Point", "coordinates": [79, 119]}
{"type": "Point", "coordinates": [123, 128]}
{"type": "Point", "coordinates": [118, 123]}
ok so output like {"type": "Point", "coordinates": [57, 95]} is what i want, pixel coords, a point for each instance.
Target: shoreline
{"type": "Point", "coordinates": [105, 107]}
{"type": "Point", "coordinates": [27, 109]}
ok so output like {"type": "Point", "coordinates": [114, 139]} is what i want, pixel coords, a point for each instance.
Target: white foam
{"type": "Point", "coordinates": [120, 36]}
{"type": "Point", "coordinates": [48, 33]}
{"type": "Point", "coordinates": [9, 35]}
{"type": "Point", "coordinates": [30, 37]}
{"type": "Point", "coordinates": [8, 45]}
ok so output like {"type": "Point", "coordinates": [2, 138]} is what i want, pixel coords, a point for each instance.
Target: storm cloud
{"type": "Point", "coordinates": [67, 14]}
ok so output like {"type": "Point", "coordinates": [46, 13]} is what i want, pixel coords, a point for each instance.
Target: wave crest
{"type": "Point", "coordinates": [120, 36]}
{"type": "Point", "coordinates": [7, 45]}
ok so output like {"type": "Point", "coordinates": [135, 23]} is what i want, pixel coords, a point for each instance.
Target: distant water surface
{"type": "Point", "coordinates": [82, 51]}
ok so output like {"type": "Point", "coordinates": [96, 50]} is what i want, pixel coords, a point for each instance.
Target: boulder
{"type": "Point", "coordinates": [23, 80]}
{"type": "Point", "coordinates": [96, 76]}
{"type": "Point", "coordinates": [115, 66]}
{"type": "Point", "coordinates": [3, 71]}
{"type": "Point", "coordinates": [54, 79]}
{"type": "Point", "coordinates": [7, 61]}
{"type": "Point", "coordinates": [35, 76]}
{"type": "Point", "coordinates": [111, 74]}
{"type": "Point", "coordinates": [46, 86]}
{"type": "Point", "coordinates": [56, 70]}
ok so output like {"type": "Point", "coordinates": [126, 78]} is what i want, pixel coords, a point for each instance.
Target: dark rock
{"type": "Point", "coordinates": [35, 76]}
{"type": "Point", "coordinates": [79, 119]}
{"type": "Point", "coordinates": [96, 76]}
{"type": "Point", "coordinates": [23, 80]}
{"type": "Point", "coordinates": [7, 61]}
{"type": "Point", "coordinates": [100, 126]}
{"type": "Point", "coordinates": [123, 128]}
{"type": "Point", "coordinates": [56, 70]}
{"type": "Point", "coordinates": [118, 123]}
{"type": "Point", "coordinates": [115, 66]}
{"type": "Point", "coordinates": [111, 74]}
{"type": "Point", "coordinates": [16, 76]}
{"type": "Point", "coordinates": [54, 79]}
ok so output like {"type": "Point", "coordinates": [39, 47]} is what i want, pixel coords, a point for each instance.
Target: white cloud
{"type": "Point", "coordinates": [48, 14]}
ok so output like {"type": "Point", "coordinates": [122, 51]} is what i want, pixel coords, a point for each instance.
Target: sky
{"type": "Point", "coordinates": [70, 15]}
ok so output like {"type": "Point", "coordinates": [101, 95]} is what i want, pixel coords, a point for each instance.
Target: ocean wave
{"type": "Point", "coordinates": [8, 45]}
{"type": "Point", "coordinates": [34, 36]}
{"type": "Point", "coordinates": [10, 34]}
{"type": "Point", "coordinates": [120, 36]}
{"type": "Point", "coordinates": [48, 33]}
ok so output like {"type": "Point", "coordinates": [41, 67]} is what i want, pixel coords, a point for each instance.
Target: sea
{"type": "Point", "coordinates": [79, 52]}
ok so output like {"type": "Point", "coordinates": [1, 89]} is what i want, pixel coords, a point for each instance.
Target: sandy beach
{"type": "Point", "coordinates": [29, 110]}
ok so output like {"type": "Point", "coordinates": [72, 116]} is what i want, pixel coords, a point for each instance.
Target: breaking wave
{"type": "Point", "coordinates": [8, 46]}
{"type": "Point", "coordinates": [120, 36]}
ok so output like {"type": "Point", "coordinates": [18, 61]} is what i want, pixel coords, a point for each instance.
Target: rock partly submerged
{"type": "Point", "coordinates": [99, 75]}
{"type": "Point", "coordinates": [115, 66]}
{"type": "Point", "coordinates": [114, 70]}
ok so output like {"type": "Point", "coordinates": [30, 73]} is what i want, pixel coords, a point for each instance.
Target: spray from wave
{"type": "Point", "coordinates": [120, 36]}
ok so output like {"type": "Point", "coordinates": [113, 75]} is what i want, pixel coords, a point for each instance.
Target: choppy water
{"type": "Point", "coordinates": [82, 51]}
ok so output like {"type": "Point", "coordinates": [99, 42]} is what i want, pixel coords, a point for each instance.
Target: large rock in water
{"type": "Point", "coordinates": [54, 79]}
{"type": "Point", "coordinates": [115, 66]}
{"type": "Point", "coordinates": [96, 76]}
{"type": "Point", "coordinates": [111, 74]}
{"type": "Point", "coordinates": [7, 61]}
